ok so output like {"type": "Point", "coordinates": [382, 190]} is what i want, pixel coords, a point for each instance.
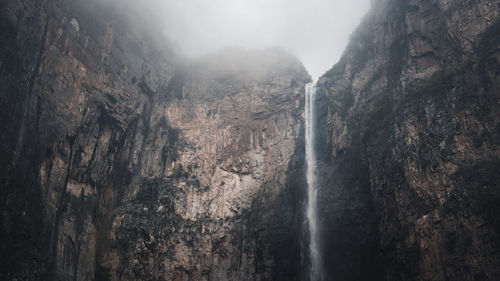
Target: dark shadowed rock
{"type": "Point", "coordinates": [122, 161]}
{"type": "Point", "coordinates": [410, 129]}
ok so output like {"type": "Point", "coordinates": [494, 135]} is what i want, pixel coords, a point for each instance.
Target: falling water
{"type": "Point", "coordinates": [312, 192]}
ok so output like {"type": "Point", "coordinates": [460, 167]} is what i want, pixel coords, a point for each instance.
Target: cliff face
{"type": "Point", "coordinates": [121, 161]}
{"type": "Point", "coordinates": [410, 129]}
{"type": "Point", "coordinates": [205, 205]}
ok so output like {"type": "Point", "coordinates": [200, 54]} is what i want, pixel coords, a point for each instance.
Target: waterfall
{"type": "Point", "coordinates": [312, 191]}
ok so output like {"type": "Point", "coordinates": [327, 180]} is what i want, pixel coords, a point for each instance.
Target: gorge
{"type": "Point", "coordinates": [120, 159]}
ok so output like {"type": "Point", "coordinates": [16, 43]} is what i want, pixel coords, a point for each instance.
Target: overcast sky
{"type": "Point", "coordinates": [316, 31]}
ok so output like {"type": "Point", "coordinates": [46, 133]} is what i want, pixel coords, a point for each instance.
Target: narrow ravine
{"type": "Point", "coordinates": [312, 192]}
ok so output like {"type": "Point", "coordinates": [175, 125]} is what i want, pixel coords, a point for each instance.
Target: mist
{"type": "Point", "coordinates": [316, 31]}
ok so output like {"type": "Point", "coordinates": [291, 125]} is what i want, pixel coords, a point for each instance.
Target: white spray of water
{"type": "Point", "coordinates": [312, 191]}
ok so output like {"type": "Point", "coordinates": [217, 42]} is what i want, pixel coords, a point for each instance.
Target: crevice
{"type": "Point", "coordinates": [60, 209]}
{"type": "Point", "coordinates": [29, 94]}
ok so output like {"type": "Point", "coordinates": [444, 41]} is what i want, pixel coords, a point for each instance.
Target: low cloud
{"type": "Point", "coordinates": [316, 31]}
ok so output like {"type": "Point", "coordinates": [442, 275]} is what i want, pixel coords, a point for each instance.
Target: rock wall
{"type": "Point", "coordinates": [205, 214]}
{"type": "Point", "coordinates": [410, 123]}
{"type": "Point", "coordinates": [122, 161]}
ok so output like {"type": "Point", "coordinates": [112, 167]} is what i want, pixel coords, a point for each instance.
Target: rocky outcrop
{"type": "Point", "coordinates": [122, 161]}
{"type": "Point", "coordinates": [409, 122]}
{"type": "Point", "coordinates": [204, 214]}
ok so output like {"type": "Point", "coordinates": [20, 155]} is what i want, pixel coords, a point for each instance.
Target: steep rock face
{"type": "Point", "coordinates": [74, 86]}
{"type": "Point", "coordinates": [120, 161]}
{"type": "Point", "coordinates": [409, 122]}
{"type": "Point", "coordinates": [205, 214]}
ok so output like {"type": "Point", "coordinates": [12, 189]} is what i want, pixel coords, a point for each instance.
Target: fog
{"type": "Point", "coordinates": [316, 31]}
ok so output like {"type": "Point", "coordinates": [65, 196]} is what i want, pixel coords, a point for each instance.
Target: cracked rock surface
{"type": "Point", "coordinates": [409, 124]}
{"type": "Point", "coordinates": [121, 160]}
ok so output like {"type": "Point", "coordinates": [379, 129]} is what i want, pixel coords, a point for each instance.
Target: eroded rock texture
{"type": "Point", "coordinates": [410, 122]}
{"type": "Point", "coordinates": [121, 161]}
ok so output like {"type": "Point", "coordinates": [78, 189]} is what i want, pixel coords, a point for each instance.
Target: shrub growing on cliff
{"type": "Point", "coordinates": [179, 172]}
{"type": "Point", "coordinates": [490, 37]}
{"type": "Point", "coordinates": [397, 52]}
{"type": "Point", "coordinates": [146, 195]}
{"type": "Point", "coordinates": [344, 101]}
{"type": "Point", "coordinates": [102, 273]}
{"type": "Point", "coordinates": [362, 47]}
{"type": "Point", "coordinates": [439, 83]}
{"type": "Point", "coordinates": [195, 182]}
{"type": "Point", "coordinates": [380, 111]}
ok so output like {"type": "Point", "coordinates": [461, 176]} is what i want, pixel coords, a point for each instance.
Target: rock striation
{"type": "Point", "coordinates": [410, 128]}
{"type": "Point", "coordinates": [120, 160]}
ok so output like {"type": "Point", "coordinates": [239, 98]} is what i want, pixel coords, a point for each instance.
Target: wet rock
{"type": "Point", "coordinates": [122, 161]}
{"type": "Point", "coordinates": [406, 116]}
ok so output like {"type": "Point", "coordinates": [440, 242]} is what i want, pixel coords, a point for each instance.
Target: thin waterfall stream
{"type": "Point", "coordinates": [312, 190]}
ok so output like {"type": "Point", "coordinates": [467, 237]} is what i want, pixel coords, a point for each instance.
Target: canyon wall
{"type": "Point", "coordinates": [409, 133]}
{"type": "Point", "coordinates": [120, 160]}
